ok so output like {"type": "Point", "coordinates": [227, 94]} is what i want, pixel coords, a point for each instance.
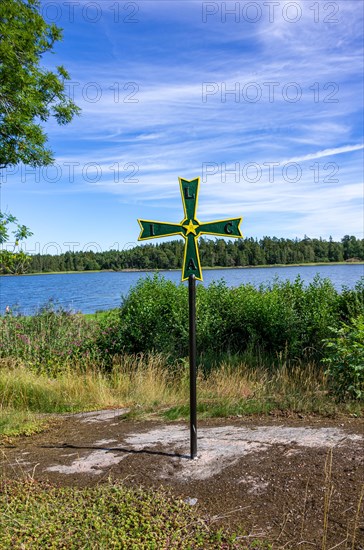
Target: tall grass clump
{"type": "Point", "coordinates": [25, 390]}
{"type": "Point", "coordinates": [148, 381]}
{"type": "Point", "coordinates": [50, 341]}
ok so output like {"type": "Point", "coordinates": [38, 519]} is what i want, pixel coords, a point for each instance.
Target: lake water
{"type": "Point", "coordinates": [89, 292]}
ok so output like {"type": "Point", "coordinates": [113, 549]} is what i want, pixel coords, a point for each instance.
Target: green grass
{"type": "Point", "coordinates": [101, 315]}
{"type": "Point", "coordinates": [222, 409]}
{"type": "Point", "coordinates": [37, 515]}
{"type": "Point", "coordinates": [14, 422]}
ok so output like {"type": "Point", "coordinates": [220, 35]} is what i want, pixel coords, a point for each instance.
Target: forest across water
{"type": "Point", "coordinates": [213, 253]}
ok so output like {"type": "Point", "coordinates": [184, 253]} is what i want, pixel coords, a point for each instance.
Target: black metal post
{"type": "Point", "coordinates": [193, 371]}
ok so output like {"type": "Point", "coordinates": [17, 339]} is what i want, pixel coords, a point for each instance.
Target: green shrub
{"type": "Point", "coordinates": [345, 360]}
{"type": "Point", "coordinates": [282, 321]}
{"type": "Point", "coordinates": [352, 301]}
{"type": "Point", "coordinates": [319, 309]}
{"type": "Point", "coordinates": [154, 317]}
{"type": "Point", "coordinates": [281, 318]}
{"type": "Point", "coordinates": [213, 317]}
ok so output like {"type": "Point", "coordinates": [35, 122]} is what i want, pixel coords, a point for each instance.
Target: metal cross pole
{"type": "Point", "coordinates": [193, 370]}
{"type": "Point", "coordinates": [190, 229]}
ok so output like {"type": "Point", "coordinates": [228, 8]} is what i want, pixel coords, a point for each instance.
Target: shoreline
{"type": "Point", "coordinates": [207, 268]}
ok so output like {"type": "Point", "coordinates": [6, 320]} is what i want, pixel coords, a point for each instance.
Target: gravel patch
{"type": "Point", "coordinates": [219, 447]}
{"type": "Point", "coordinates": [99, 416]}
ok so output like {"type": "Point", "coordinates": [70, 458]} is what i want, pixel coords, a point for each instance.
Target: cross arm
{"type": "Point", "coordinates": [189, 193]}
{"type": "Point", "coordinates": [152, 229]}
{"type": "Point", "coordinates": [191, 261]}
{"type": "Point", "coordinates": [223, 228]}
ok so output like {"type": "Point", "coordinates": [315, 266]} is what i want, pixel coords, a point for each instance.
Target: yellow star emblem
{"type": "Point", "coordinates": [190, 228]}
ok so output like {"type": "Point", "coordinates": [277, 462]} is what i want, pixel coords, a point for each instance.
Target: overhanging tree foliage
{"type": "Point", "coordinates": [15, 260]}
{"type": "Point", "coordinates": [29, 95]}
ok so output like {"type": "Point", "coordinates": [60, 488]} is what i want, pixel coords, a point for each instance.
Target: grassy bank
{"type": "Point", "coordinates": [279, 347]}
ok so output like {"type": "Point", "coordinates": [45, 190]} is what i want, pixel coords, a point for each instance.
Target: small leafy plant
{"type": "Point", "coordinates": [38, 515]}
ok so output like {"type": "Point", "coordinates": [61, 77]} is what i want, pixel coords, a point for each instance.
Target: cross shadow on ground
{"type": "Point", "coordinates": [115, 450]}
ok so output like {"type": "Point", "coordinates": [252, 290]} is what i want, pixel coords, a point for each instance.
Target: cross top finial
{"type": "Point", "coordinates": [190, 228]}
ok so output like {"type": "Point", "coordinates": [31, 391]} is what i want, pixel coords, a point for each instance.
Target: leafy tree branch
{"type": "Point", "coordinates": [29, 95]}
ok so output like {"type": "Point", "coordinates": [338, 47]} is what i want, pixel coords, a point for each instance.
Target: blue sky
{"type": "Point", "coordinates": [262, 100]}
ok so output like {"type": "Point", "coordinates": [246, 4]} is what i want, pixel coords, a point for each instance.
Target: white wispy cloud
{"type": "Point", "coordinates": [325, 153]}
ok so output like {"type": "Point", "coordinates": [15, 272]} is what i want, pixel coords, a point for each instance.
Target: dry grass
{"type": "Point", "coordinates": [357, 516]}
{"type": "Point", "coordinates": [147, 383]}
{"type": "Point", "coordinates": [230, 382]}
{"type": "Point", "coordinates": [329, 489]}
{"type": "Point", "coordinates": [145, 380]}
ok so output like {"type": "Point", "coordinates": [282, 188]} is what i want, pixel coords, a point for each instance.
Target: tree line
{"type": "Point", "coordinates": [213, 253]}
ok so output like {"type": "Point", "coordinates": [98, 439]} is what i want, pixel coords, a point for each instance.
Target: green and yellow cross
{"type": "Point", "coordinates": [190, 228]}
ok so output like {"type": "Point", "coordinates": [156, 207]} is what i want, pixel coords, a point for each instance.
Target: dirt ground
{"type": "Point", "coordinates": [269, 475]}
